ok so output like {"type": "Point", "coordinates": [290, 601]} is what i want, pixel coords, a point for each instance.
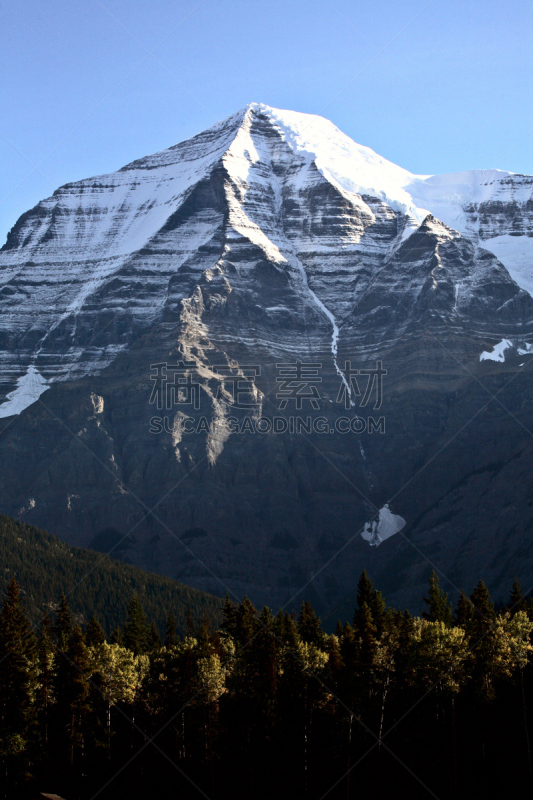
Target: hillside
{"type": "Point", "coordinates": [45, 566]}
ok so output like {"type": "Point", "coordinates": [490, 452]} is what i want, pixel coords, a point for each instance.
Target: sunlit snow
{"type": "Point", "coordinates": [358, 170]}
{"type": "Point", "coordinates": [92, 231]}
{"type": "Point", "coordinates": [498, 353]}
{"type": "Point", "coordinates": [29, 388]}
{"type": "Point", "coordinates": [383, 528]}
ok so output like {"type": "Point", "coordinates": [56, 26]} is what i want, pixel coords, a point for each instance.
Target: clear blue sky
{"type": "Point", "coordinates": [92, 84]}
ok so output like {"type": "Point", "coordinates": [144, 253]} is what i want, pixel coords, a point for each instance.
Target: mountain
{"type": "Point", "coordinates": [44, 566]}
{"type": "Point", "coordinates": [273, 239]}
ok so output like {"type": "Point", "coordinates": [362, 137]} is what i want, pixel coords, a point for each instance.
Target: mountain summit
{"type": "Point", "coordinates": [188, 285]}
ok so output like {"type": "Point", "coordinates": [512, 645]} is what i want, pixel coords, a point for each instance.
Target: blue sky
{"type": "Point", "coordinates": [89, 85]}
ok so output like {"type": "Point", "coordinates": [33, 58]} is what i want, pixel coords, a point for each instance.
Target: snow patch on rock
{"type": "Point", "coordinates": [29, 388]}
{"type": "Point", "coordinates": [387, 525]}
{"type": "Point", "coordinates": [498, 353]}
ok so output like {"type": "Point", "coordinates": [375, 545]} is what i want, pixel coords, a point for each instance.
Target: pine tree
{"type": "Point", "coordinates": [373, 599]}
{"type": "Point", "coordinates": [260, 659]}
{"type": "Point", "coordinates": [485, 640]}
{"type": "Point", "coordinates": [463, 611]}
{"type": "Point", "coordinates": [153, 640]}
{"type": "Point", "coordinates": [348, 647]}
{"type": "Point", "coordinates": [334, 666]}
{"type": "Point", "coordinates": [516, 598]}
{"type": "Point", "coordinates": [378, 608]}
{"type": "Point", "coordinates": [245, 622]}
{"type": "Point", "coordinates": [45, 693]}
{"type": "Point", "coordinates": [18, 667]}
{"type": "Point", "coordinates": [72, 692]}
{"type": "Point", "coordinates": [365, 590]}
{"type": "Point", "coordinates": [94, 633]}
{"type": "Point", "coordinates": [170, 635]}
{"type": "Point", "coordinates": [309, 626]}
{"type": "Point", "coordinates": [135, 628]}
{"type": "Point", "coordinates": [63, 626]}
{"type": "Point", "coordinates": [229, 617]}
{"type": "Point", "coordinates": [190, 623]}
{"type": "Point", "coordinates": [117, 637]}
{"type": "Point", "coordinates": [367, 632]}
{"type": "Point", "coordinates": [483, 614]}
{"type": "Point", "coordinates": [439, 609]}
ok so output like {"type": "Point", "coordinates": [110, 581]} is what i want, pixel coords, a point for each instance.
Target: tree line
{"type": "Point", "coordinates": [270, 705]}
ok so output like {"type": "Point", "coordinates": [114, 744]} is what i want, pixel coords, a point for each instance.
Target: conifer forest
{"type": "Point", "coordinates": [270, 706]}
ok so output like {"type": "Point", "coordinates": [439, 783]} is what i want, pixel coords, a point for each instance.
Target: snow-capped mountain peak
{"type": "Point", "coordinates": [270, 239]}
{"type": "Point", "coordinates": [101, 245]}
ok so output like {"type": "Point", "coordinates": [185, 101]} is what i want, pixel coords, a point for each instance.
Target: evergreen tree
{"type": "Point", "coordinates": [365, 590]}
{"type": "Point", "coordinates": [373, 599]}
{"type": "Point", "coordinates": [439, 609]}
{"type": "Point", "coordinates": [45, 693]}
{"type": "Point", "coordinates": [135, 628]}
{"type": "Point", "coordinates": [482, 614]}
{"type": "Point", "coordinates": [349, 648]}
{"type": "Point", "coordinates": [72, 692]}
{"type": "Point", "coordinates": [153, 640]}
{"type": "Point", "coordinates": [516, 598]}
{"type": "Point", "coordinates": [286, 630]}
{"type": "Point", "coordinates": [486, 638]}
{"type": "Point", "coordinates": [463, 611]}
{"type": "Point", "coordinates": [309, 626]}
{"type": "Point", "coordinates": [190, 623]}
{"type": "Point", "coordinates": [378, 608]}
{"type": "Point", "coordinates": [171, 637]}
{"type": "Point", "coordinates": [117, 637]}
{"type": "Point", "coordinates": [245, 622]}
{"type": "Point", "coordinates": [334, 666]}
{"type": "Point", "coordinates": [229, 617]}
{"type": "Point", "coordinates": [63, 626]}
{"type": "Point", "coordinates": [94, 633]}
{"type": "Point", "coordinates": [18, 669]}
{"type": "Point", "coordinates": [368, 642]}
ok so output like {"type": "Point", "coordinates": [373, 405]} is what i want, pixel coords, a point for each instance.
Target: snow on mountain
{"type": "Point", "coordinates": [91, 266]}
{"type": "Point", "coordinates": [499, 350]}
{"type": "Point", "coordinates": [382, 528]}
{"type": "Point", "coordinates": [29, 388]}
{"type": "Point", "coordinates": [459, 199]}
{"type": "Point", "coordinates": [356, 169]}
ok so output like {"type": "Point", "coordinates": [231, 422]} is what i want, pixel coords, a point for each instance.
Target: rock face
{"type": "Point", "coordinates": [185, 344]}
